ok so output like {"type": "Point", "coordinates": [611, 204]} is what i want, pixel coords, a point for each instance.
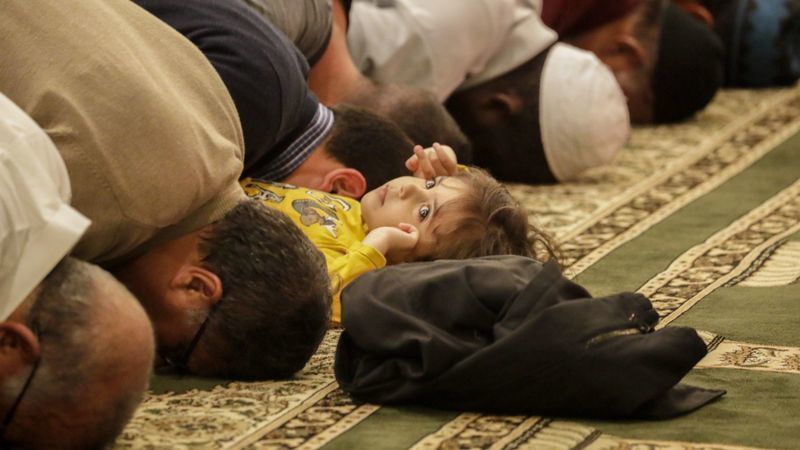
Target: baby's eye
{"type": "Point", "coordinates": [429, 184]}
{"type": "Point", "coordinates": [424, 211]}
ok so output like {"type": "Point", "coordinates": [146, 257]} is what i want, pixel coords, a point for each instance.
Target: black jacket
{"type": "Point", "coordinates": [508, 335]}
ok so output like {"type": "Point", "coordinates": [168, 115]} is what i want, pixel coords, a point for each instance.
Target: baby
{"type": "Point", "coordinates": [413, 218]}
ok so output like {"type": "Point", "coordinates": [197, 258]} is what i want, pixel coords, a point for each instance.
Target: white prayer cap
{"type": "Point", "coordinates": [37, 225]}
{"type": "Point", "coordinates": [583, 113]}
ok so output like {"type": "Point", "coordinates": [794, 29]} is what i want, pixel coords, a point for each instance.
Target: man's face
{"type": "Point", "coordinates": [410, 200]}
{"type": "Point", "coordinates": [151, 277]}
{"type": "Point", "coordinates": [628, 57]}
{"type": "Point", "coordinates": [635, 84]}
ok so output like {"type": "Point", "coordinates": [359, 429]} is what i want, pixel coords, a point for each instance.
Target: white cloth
{"type": "Point", "coordinates": [37, 225]}
{"type": "Point", "coordinates": [583, 112]}
{"type": "Point", "coordinates": [441, 45]}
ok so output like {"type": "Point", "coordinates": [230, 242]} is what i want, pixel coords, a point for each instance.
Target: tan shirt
{"type": "Point", "coordinates": [149, 134]}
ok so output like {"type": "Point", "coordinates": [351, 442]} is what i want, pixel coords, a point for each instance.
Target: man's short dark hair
{"type": "Point", "coordinates": [275, 306]}
{"type": "Point", "coordinates": [418, 113]}
{"type": "Point", "coordinates": [510, 147]}
{"type": "Point", "coordinates": [369, 143]}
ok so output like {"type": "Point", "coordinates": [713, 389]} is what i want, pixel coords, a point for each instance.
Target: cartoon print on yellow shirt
{"type": "Point", "coordinates": [310, 216]}
{"type": "Point", "coordinates": [333, 223]}
{"type": "Point", "coordinates": [264, 194]}
{"type": "Point", "coordinates": [317, 208]}
{"type": "Point", "coordinates": [330, 202]}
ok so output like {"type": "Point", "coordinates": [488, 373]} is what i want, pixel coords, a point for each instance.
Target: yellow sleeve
{"type": "Point", "coordinates": [344, 268]}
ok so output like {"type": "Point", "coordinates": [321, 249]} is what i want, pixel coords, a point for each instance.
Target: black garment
{"type": "Point", "coordinates": [264, 73]}
{"type": "Point", "coordinates": [508, 335]}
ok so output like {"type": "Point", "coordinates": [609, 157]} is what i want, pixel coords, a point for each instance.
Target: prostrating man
{"type": "Point", "coordinates": [668, 65]}
{"type": "Point", "coordinates": [289, 135]}
{"type": "Point", "coordinates": [153, 147]}
{"type": "Point", "coordinates": [485, 49]}
{"type": "Point", "coordinates": [76, 349]}
{"type": "Point", "coordinates": [548, 120]}
{"type": "Point", "coordinates": [319, 30]}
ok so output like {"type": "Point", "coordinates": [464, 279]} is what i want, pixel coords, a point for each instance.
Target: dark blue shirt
{"type": "Point", "coordinates": [264, 73]}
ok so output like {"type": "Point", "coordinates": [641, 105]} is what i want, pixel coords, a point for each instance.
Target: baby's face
{"type": "Point", "coordinates": [410, 200]}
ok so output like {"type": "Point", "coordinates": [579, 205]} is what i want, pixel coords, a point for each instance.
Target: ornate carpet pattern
{"type": "Point", "coordinates": [703, 217]}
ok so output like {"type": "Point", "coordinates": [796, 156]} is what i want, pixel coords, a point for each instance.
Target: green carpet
{"type": "Point", "coordinates": [703, 217]}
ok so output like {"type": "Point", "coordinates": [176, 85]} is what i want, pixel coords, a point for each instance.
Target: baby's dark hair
{"type": "Point", "coordinates": [487, 221]}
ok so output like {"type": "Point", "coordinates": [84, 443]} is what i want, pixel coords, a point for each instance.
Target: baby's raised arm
{"type": "Point", "coordinates": [395, 243]}
{"type": "Point", "coordinates": [439, 160]}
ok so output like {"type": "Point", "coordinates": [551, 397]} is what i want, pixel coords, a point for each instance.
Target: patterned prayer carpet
{"type": "Point", "coordinates": [703, 217]}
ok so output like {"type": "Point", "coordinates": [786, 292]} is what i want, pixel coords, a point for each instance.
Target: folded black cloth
{"type": "Point", "coordinates": [509, 335]}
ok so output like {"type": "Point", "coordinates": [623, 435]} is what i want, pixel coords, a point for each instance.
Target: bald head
{"type": "Point", "coordinates": [96, 351]}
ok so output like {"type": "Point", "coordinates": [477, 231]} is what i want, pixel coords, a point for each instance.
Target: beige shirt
{"type": "Point", "coordinates": [149, 134]}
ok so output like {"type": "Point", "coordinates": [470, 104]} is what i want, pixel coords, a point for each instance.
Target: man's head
{"type": "Point", "coordinates": [247, 297]}
{"type": "Point", "coordinates": [668, 66]}
{"type": "Point", "coordinates": [363, 151]}
{"type": "Point", "coordinates": [548, 120]}
{"type": "Point", "coordinates": [629, 47]}
{"type": "Point", "coordinates": [94, 347]}
{"type": "Point", "coordinates": [416, 111]}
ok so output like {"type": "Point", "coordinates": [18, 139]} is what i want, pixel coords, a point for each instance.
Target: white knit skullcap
{"type": "Point", "coordinates": [37, 224]}
{"type": "Point", "coordinates": [583, 113]}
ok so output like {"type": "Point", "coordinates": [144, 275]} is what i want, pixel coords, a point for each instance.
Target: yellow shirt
{"type": "Point", "coordinates": [332, 222]}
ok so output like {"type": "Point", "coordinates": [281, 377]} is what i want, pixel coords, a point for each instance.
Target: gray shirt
{"type": "Point", "coordinates": [307, 23]}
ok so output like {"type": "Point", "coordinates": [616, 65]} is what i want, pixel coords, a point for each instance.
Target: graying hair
{"type": "Point", "coordinates": [64, 312]}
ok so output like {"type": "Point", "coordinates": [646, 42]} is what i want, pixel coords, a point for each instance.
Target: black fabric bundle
{"type": "Point", "coordinates": [508, 335]}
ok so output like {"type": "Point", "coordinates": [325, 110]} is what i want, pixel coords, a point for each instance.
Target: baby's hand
{"type": "Point", "coordinates": [395, 243]}
{"type": "Point", "coordinates": [439, 160]}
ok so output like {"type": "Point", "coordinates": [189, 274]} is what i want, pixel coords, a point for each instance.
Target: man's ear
{"type": "Point", "coordinates": [345, 181]}
{"type": "Point", "coordinates": [698, 11]}
{"type": "Point", "coordinates": [631, 51]}
{"type": "Point", "coordinates": [495, 107]}
{"type": "Point", "coordinates": [195, 286]}
{"type": "Point", "coordinates": [18, 346]}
